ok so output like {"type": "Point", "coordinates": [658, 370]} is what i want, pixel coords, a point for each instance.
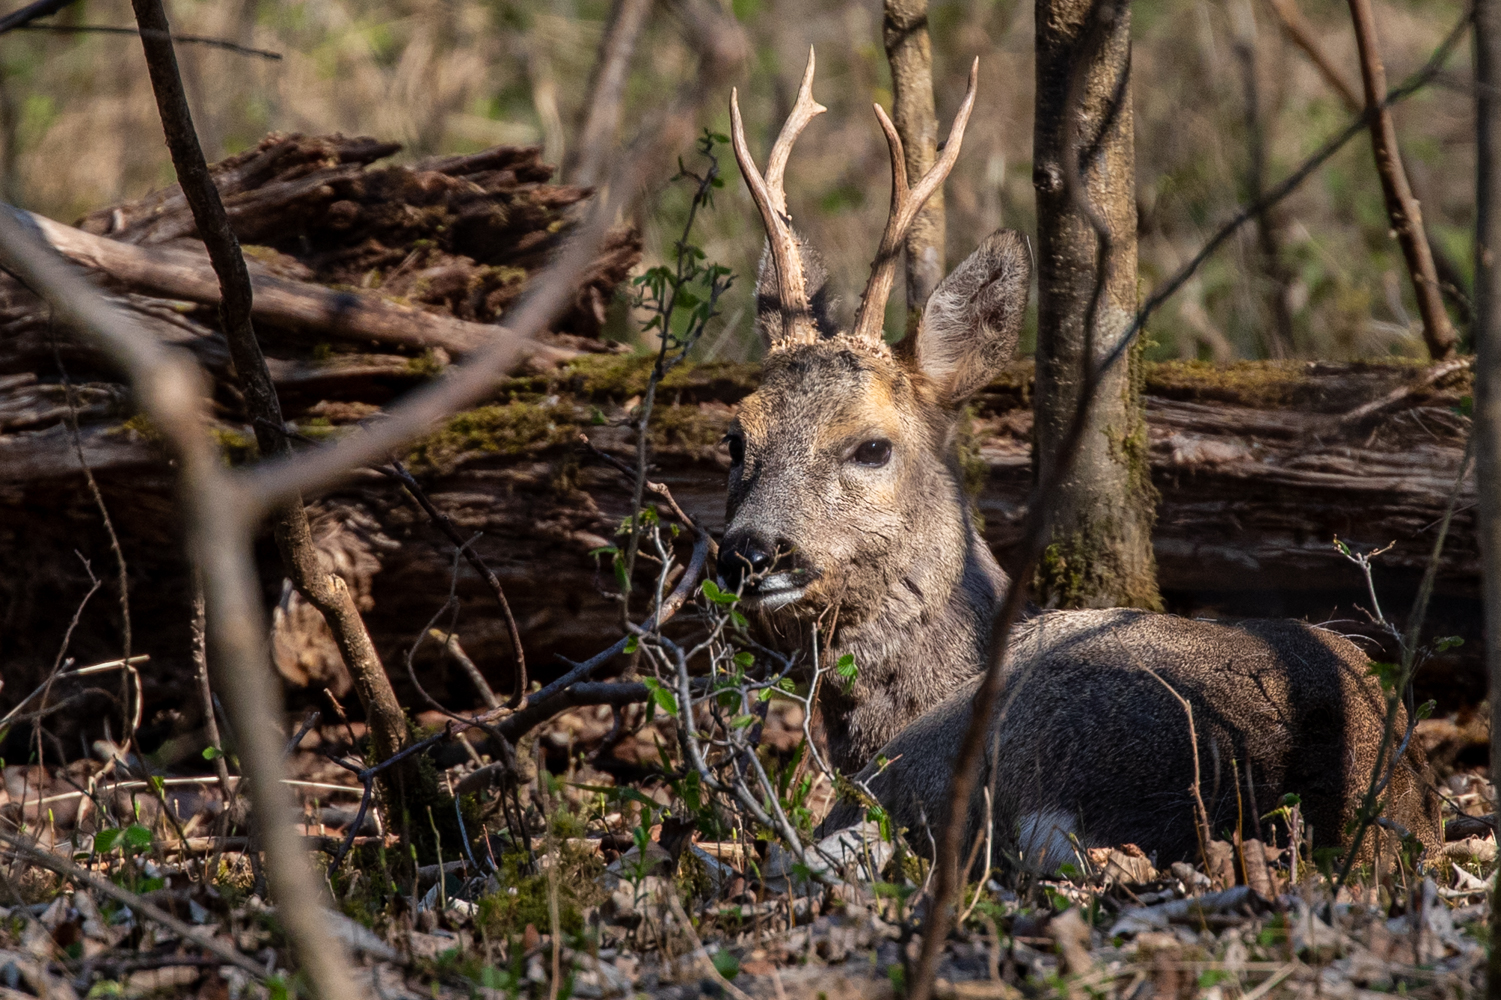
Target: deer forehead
{"type": "Point", "coordinates": [823, 399]}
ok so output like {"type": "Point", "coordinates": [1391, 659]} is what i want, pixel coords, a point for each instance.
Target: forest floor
{"type": "Point", "coordinates": [689, 917]}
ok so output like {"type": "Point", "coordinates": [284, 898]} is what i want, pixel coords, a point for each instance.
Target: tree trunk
{"type": "Point", "coordinates": [1101, 549]}
{"type": "Point", "coordinates": [1487, 338]}
{"type": "Point", "coordinates": [910, 52]}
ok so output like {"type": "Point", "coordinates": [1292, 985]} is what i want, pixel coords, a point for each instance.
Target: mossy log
{"type": "Point", "coordinates": [1257, 471]}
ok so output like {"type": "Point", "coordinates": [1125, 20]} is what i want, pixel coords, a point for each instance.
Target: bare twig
{"type": "Point", "coordinates": [1432, 375]}
{"type": "Point", "coordinates": [554, 698]}
{"type": "Point", "coordinates": [105, 29]}
{"type": "Point", "coordinates": [444, 524]}
{"type": "Point", "coordinates": [171, 392]}
{"type": "Point", "coordinates": [122, 570]}
{"type": "Point", "coordinates": [1287, 186]}
{"type": "Point", "coordinates": [1403, 209]}
{"type": "Point", "coordinates": [705, 962]}
{"type": "Point", "coordinates": [1297, 28]}
{"type": "Point", "coordinates": [31, 12]}
{"type": "Point", "coordinates": [293, 536]}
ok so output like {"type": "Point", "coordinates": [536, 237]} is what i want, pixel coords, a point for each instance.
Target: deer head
{"type": "Point", "coordinates": [844, 491]}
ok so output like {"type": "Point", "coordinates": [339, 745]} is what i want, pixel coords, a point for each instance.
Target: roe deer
{"type": "Point", "coordinates": [845, 508]}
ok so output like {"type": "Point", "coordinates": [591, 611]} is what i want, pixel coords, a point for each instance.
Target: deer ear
{"type": "Point", "coordinates": [974, 317]}
{"type": "Point", "coordinates": [769, 301]}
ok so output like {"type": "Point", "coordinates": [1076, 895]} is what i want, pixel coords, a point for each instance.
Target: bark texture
{"type": "Point", "coordinates": [909, 49]}
{"type": "Point", "coordinates": [1101, 553]}
{"type": "Point", "coordinates": [1488, 371]}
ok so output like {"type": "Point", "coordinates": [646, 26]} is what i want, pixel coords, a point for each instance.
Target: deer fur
{"type": "Point", "coordinates": [848, 530]}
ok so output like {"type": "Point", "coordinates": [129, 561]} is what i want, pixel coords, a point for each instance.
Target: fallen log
{"type": "Point", "coordinates": [1259, 465]}
{"type": "Point", "coordinates": [301, 306]}
{"type": "Point", "coordinates": [1257, 473]}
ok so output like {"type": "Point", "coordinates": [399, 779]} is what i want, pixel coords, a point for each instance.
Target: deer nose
{"type": "Point", "coordinates": [742, 557]}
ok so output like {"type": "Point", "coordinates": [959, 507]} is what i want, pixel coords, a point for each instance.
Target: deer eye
{"type": "Point", "coordinates": [737, 448]}
{"type": "Point", "coordinates": [874, 453]}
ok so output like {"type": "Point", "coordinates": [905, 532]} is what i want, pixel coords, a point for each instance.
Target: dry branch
{"type": "Point", "coordinates": [218, 537]}
{"type": "Point", "coordinates": [1401, 206]}
{"type": "Point", "coordinates": [294, 305]}
{"type": "Point", "coordinates": [388, 730]}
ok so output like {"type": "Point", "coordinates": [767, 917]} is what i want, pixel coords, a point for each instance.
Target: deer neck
{"type": "Point", "coordinates": [927, 641]}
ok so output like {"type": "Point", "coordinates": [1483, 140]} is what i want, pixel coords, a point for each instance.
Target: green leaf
{"type": "Point", "coordinates": [738, 619]}
{"type": "Point", "coordinates": [1291, 799]}
{"type": "Point", "coordinates": [212, 753]}
{"type": "Point", "coordinates": [846, 669]}
{"type": "Point", "coordinates": [105, 840]}
{"type": "Point", "coordinates": [138, 836]}
{"type": "Point", "coordinates": [742, 721]}
{"type": "Point", "coordinates": [604, 550]}
{"type": "Point", "coordinates": [1426, 709]}
{"type": "Point", "coordinates": [1387, 673]}
{"type": "Point", "coordinates": [726, 963]}
{"type": "Point", "coordinates": [745, 660]}
{"type": "Point", "coordinates": [661, 696]}
{"type": "Point", "coordinates": [1448, 642]}
{"type": "Point", "coordinates": [711, 590]}
{"type": "Point", "coordinates": [632, 644]}
{"type": "Point", "coordinates": [1466, 407]}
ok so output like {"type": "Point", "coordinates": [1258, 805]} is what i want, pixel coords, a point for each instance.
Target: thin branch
{"type": "Point", "coordinates": [293, 536]}
{"type": "Point", "coordinates": [106, 29]}
{"type": "Point", "coordinates": [171, 391]}
{"type": "Point", "coordinates": [442, 522]}
{"type": "Point", "coordinates": [1297, 28]}
{"type": "Point", "coordinates": [31, 12]}
{"type": "Point", "coordinates": [1288, 185]}
{"type": "Point", "coordinates": [1405, 213]}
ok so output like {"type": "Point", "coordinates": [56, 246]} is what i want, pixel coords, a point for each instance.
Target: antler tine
{"type": "Point", "coordinates": [905, 204]}
{"type": "Point", "coordinates": [804, 110]}
{"type": "Point", "coordinates": [771, 200]}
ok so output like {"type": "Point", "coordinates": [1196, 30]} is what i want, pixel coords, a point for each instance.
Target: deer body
{"type": "Point", "coordinates": [848, 528]}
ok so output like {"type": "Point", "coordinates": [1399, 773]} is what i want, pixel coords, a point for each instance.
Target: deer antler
{"type": "Point", "coordinates": [905, 204]}
{"type": "Point", "coordinates": [771, 199]}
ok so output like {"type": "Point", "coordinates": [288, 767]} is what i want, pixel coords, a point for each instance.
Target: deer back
{"type": "Point", "coordinates": [1091, 740]}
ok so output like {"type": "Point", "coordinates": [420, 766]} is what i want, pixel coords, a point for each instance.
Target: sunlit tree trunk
{"type": "Point", "coordinates": [1084, 172]}
{"type": "Point", "coordinates": [909, 49]}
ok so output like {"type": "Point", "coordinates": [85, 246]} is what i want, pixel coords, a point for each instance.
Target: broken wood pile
{"type": "Point", "coordinates": [370, 280]}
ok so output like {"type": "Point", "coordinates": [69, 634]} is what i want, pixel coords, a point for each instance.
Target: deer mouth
{"type": "Point", "coordinates": [776, 590]}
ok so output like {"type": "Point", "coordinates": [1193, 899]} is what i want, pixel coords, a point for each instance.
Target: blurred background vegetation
{"type": "Point", "coordinates": [80, 131]}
